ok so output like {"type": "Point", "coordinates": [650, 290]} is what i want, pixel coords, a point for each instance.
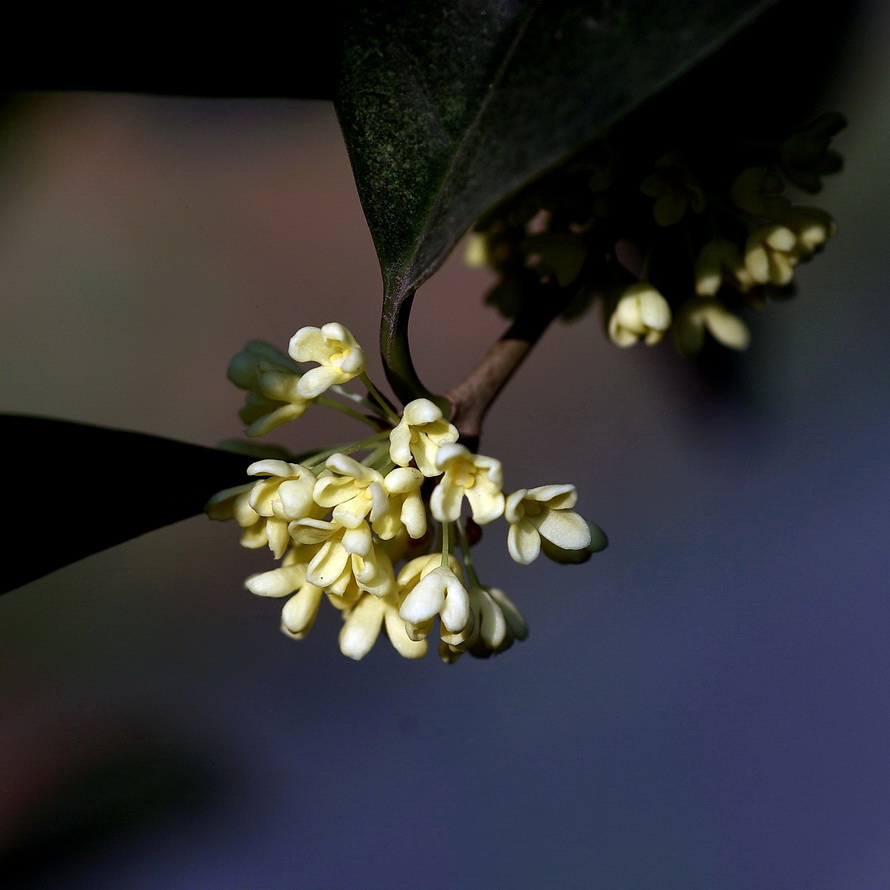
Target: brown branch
{"type": "Point", "coordinates": [473, 396]}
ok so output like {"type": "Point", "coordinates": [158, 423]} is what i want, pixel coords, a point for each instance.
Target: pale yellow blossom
{"type": "Point", "coordinates": [345, 556]}
{"type": "Point", "coordinates": [289, 577]}
{"type": "Point", "coordinates": [544, 512]}
{"type": "Point", "coordinates": [278, 501]}
{"type": "Point", "coordinates": [374, 572]}
{"type": "Point", "coordinates": [335, 546]}
{"type": "Point", "coordinates": [496, 623]}
{"type": "Point", "coordinates": [288, 492]}
{"type": "Point", "coordinates": [257, 530]}
{"type": "Point", "coordinates": [708, 314]}
{"type": "Point", "coordinates": [563, 556]}
{"type": "Point", "coordinates": [812, 226]}
{"type": "Point", "coordinates": [641, 313]}
{"type": "Point", "coordinates": [272, 383]}
{"type": "Point", "coordinates": [234, 503]}
{"type": "Point", "coordinates": [407, 579]}
{"type": "Point", "coordinates": [419, 434]}
{"type": "Point", "coordinates": [771, 254]}
{"type": "Point", "coordinates": [349, 489]}
{"type": "Point", "coordinates": [438, 592]}
{"type": "Point", "coordinates": [300, 611]}
{"type": "Point", "coordinates": [336, 351]}
{"type": "Point", "coordinates": [476, 251]}
{"type": "Point", "coordinates": [363, 622]}
{"type": "Point", "coordinates": [400, 506]}
{"type": "Point", "coordinates": [516, 624]}
{"type": "Point", "coordinates": [466, 475]}
{"type": "Point", "coordinates": [718, 262]}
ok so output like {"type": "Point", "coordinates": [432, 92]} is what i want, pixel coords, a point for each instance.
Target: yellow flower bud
{"type": "Point", "coordinates": [641, 312]}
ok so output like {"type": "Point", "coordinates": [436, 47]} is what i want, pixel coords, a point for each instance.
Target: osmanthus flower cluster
{"type": "Point", "coordinates": [681, 238]}
{"type": "Point", "coordinates": [382, 528]}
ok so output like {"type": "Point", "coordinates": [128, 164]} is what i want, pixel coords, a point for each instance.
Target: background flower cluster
{"type": "Point", "coordinates": [681, 237]}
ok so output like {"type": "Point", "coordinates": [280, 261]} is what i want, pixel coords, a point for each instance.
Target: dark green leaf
{"type": "Point", "coordinates": [75, 489]}
{"type": "Point", "coordinates": [447, 107]}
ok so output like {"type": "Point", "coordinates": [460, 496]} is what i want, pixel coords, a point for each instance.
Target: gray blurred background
{"type": "Point", "coordinates": [706, 704]}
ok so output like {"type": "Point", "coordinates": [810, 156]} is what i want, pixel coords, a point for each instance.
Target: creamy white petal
{"type": "Point", "coordinates": [361, 627]}
{"type": "Point", "coordinates": [564, 528]}
{"type": "Point", "coordinates": [277, 582]}
{"type": "Point", "coordinates": [523, 542]}
{"type": "Point", "coordinates": [398, 635]}
{"type": "Point", "coordinates": [427, 598]}
{"type": "Point", "coordinates": [455, 613]}
{"type": "Point", "coordinates": [300, 611]}
{"type": "Point", "coordinates": [328, 564]}
{"type": "Point", "coordinates": [492, 623]}
{"type": "Point", "coordinates": [317, 380]}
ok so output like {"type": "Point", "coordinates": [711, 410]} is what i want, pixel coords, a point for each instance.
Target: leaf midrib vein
{"type": "Point", "coordinates": [523, 19]}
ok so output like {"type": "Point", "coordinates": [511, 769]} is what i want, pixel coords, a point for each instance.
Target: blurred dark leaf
{"type": "Point", "coordinates": [102, 804]}
{"type": "Point", "coordinates": [448, 107]}
{"type": "Point", "coordinates": [78, 489]}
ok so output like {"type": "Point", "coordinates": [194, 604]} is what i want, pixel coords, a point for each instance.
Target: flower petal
{"type": "Point", "coordinates": [277, 582]}
{"type": "Point", "coordinates": [398, 635]}
{"type": "Point", "coordinates": [300, 611]}
{"type": "Point", "coordinates": [523, 542]}
{"type": "Point", "coordinates": [361, 627]}
{"type": "Point", "coordinates": [426, 600]}
{"type": "Point", "coordinates": [564, 528]}
{"type": "Point", "coordinates": [317, 380]}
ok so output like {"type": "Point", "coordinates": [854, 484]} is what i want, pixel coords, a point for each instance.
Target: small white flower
{"type": "Point", "coordinates": [598, 541]}
{"type": "Point", "coordinates": [476, 251]}
{"type": "Point", "coordinates": [486, 625]}
{"type": "Point", "coordinates": [708, 314]}
{"type": "Point", "coordinates": [349, 488]}
{"type": "Point", "coordinates": [641, 312]}
{"type": "Point", "coordinates": [345, 556]}
{"type": "Point", "coordinates": [283, 581]}
{"type": "Point", "coordinates": [337, 352]}
{"type": "Point", "coordinates": [272, 383]}
{"type": "Point", "coordinates": [770, 254]}
{"type": "Point", "coordinates": [299, 612]}
{"type": "Point", "coordinates": [234, 503]}
{"type": "Point", "coordinates": [465, 475]}
{"type": "Point", "coordinates": [812, 226]}
{"type": "Point", "coordinates": [363, 623]}
{"type": "Point", "coordinates": [718, 262]}
{"type": "Point", "coordinates": [516, 624]}
{"type": "Point", "coordinates": [438, 592]}
{"type": "Point", "coordinates": [419, 434]}
{"type": "Point", "coordinates": [544, 512]}
{"type": "Point", "coordinates": [398, 505]}
{"type": "Point", "coordinates": [496, 623]}
{"type": "Point", "coordinates": [286, 494]}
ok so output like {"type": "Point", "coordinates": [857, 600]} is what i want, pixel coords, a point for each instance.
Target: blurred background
{"type": "Point", "coordinates": [706, 704]}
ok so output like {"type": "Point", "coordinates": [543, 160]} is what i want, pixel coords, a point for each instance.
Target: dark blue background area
{"type": "Point", "coordinates": [703, 705]}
